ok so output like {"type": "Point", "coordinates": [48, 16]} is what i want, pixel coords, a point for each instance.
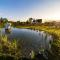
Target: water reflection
{"type": "Point", "coordinates": [30, 39]}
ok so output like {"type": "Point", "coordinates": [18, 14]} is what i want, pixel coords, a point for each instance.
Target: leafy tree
{"type": "Point", "coordinates": [5, 20]}
{"type": "Point", "coordinates": [39, 20]}
{"type": "Point", "coordinates": [30, 20]}
{"type": "Point", "coordinates": [18, 22]}
{"type": "Point", "coordinates": [27, 22]}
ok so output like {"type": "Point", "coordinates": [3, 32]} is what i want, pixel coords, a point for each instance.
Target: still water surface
{"type": "Point", "coordinates": [32, 39]}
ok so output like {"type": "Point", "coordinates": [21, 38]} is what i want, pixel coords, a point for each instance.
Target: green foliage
{"type": "Point", "coordinates": [39, 20]}
{"type": "Point", "coordinates": [56, 47]}
{"type": "Point", "coordinates": [9, 48]}
{"type": "Point", "coordinates": [32, 54]}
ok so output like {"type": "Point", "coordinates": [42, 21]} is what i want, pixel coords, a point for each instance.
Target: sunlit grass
{"type": "Point", "coordinates": [9, 48]}
{"type": "Point", "coordinates": [55, 32]}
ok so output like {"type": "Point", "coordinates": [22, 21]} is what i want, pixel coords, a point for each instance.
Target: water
{"type": "Point", "coordinates": [31, 39]}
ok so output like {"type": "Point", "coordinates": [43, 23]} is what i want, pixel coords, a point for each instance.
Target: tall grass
{"type": "Point", "coordinates": [8, 48]}
{"type": "Point", "coordinates": [55, 32]}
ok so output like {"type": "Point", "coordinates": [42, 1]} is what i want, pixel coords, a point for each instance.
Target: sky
{"type": "Point", "coordinates": [23, 9]}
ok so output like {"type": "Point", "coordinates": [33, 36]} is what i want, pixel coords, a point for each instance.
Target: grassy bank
{"type": "Point", "coordinates": [12, 50]}
{"type": "Point", "coordinates": [9, 49]}
{"type": "Point", "coordinates": [55, 32]}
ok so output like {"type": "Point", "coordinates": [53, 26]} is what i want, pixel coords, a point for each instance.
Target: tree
{"type": "Point", "coordinates": [1, 19]}
{"type": "Point", "coordinates": [27, 22]}
{"type": "Point", "coordinates": [18, 22]}
{"type": "Point", "coordinates": [39, 20]}
{"type": "Point", "coordinates": [5, 20]}
{"type": "Point", "coordinates": [30, 20]}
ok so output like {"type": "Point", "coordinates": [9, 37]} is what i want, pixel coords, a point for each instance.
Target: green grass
{"type": "Point", "coordinates": [9, 48]}
{"type": "Point", "coordinates": [55, 32]}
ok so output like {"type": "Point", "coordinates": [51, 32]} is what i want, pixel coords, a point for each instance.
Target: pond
{"type": "Point", "coordinates": [32, 39]}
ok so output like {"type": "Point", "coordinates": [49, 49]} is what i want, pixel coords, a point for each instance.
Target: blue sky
{"type": "Point", "coordinates": [23, 9]}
